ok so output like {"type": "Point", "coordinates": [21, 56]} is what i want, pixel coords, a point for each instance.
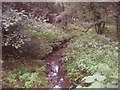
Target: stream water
{"type": "Point", "coordinates": [56, 75]}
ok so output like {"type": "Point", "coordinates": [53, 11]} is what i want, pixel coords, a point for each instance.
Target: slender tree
{"type": "Point", "coordinates": [99, 24]}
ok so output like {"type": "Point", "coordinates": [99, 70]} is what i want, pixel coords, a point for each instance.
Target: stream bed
{"type": "Point", "coordinates": [57, 77]}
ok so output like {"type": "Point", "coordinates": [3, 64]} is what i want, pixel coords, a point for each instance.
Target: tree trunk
{"type": "Point", "coordinates": [118, 18]}
{"type": "Point", "coordinates": [99, 24]}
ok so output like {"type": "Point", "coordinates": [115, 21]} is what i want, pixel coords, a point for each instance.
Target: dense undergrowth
{"type": "Point", "coordinates": [45, 41]}
{"type": "Point", "coordinates": [92, 54]}
{"type": "Point", "coordinates": [28, 40]}
{"type": "Point", "coordinates": [24, 74]}
{"type": "Point", "coordinates": [23, 35]}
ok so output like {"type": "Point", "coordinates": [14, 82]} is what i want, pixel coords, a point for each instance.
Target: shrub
{"type": "Point", "coordinates": [13, 24]}
{"type": "Point", "coordinates": [25, 37]}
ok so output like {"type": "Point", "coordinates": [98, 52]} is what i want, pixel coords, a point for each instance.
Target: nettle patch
{"type": "Point", "coordinates": [93, 54]}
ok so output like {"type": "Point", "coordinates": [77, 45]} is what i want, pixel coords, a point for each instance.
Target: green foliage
{"type": "Point", "coordinates": [90, 79]}
{"type": "Point", "coordinates": [92, 54]}
{"type": "Point", "coordinates": [110, 30]}
{"type": "Point", "coordinates": [27, 34]}
{"type": "Point", "coordinates": [96, 81]}
{"type": "Point", "coordinates": [24, 35]}
{"type": "Point", "coordinates": [72, 27]}
{"type": "Point", "coordinates": [26, 75]}
{"type": "Point", "coordinates": [13, 23]}
{"type": "Point", "coordinates": [45, 40]}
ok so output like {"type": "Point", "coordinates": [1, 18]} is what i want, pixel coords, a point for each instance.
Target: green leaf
{"type": "Point", "coordinates": [97, 85]}
{"type": "Point", "coordinates": [99, 77]}
{"type": "Point", "coordinates": [88, 79]}
{"type": "Point", "coordinates": [12, 23]}
{"type": "Point", "coordinates": [104, 68]}
{"type": "Point", "coordinates": [79, 86]}
{"type": "Point", "coordinates": [108, 85]}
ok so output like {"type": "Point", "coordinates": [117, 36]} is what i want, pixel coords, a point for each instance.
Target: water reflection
{"type": "Point", "coordinates": [55, 67]}
{"type": "Point", "coordinates": [56, 86]}
{"type": "Point", "coordinates": [52, 74]}
{"type": "Point", "coordinates": [61, 80]}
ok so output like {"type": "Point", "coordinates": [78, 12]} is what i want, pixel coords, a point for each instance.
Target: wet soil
{"type": "Point", "coordinates": [57, 77]}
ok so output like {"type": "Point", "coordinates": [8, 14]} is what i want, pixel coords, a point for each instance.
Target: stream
{"type": "Point", "coordinates": [57, 77]}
